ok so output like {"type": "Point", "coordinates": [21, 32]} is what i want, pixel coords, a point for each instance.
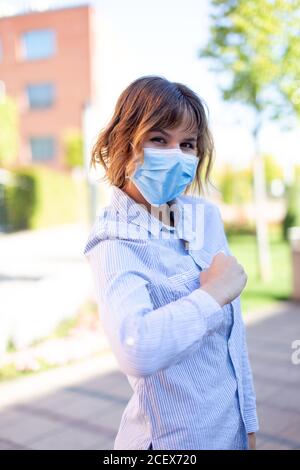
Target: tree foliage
{"type": "Point", "coordinates": [255, 46]}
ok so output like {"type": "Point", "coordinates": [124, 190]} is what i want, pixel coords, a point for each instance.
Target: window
{"type": "Point", "coordinates": [38, 44]}
{"type": "Point", "coordinates": [40, 95]}
{"type": "Point", "coordinates": [42, 148]}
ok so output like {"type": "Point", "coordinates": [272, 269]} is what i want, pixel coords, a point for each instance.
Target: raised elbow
{"type": "Point", "coordinates": [133, 359]}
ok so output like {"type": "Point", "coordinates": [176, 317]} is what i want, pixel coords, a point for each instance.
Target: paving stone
{"type": "Point", "coordinates": [66, 439]}
{"type": "Point", "coordinates": [27, 428]}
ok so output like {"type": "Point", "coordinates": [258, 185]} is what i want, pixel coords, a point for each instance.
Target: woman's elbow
{"type": "Point", "coordinates": [133, 351]}
{"type": "Point", "coordinates": [134, 360]}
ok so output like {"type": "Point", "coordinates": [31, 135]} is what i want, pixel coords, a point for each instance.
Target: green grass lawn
{"type": "Point", "coordinates": [257, 294]}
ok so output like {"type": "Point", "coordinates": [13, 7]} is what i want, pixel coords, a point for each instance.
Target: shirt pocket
{"type": "Point", "coordinates": [203, 257]}
{"type": "Point", "coordinates": [185, 282]}
{"type": "Point", "coordinates": [171, 288]}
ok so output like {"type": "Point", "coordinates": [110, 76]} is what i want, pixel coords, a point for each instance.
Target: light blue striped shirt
{"type": "Point", "coordinates": [185, 357]}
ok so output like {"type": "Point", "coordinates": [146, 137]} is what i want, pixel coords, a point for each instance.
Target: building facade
{"type": "Point", "coordinates": [48, 64]}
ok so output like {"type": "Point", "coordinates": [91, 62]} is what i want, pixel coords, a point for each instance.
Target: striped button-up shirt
{"type": "Point", "coordinates": [184, 355]}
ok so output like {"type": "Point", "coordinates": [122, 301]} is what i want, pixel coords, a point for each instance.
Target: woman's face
{"type": "Point", "coordinates": [177, 138]}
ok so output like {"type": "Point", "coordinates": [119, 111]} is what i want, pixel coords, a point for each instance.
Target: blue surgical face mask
{"type": "Point", "coordinates": [164, 174]}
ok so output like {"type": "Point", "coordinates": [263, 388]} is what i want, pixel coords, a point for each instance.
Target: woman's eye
{"type": "Point", "coordinates": [156, 139]}
{"type": "Point", "coordinates": [187, 143]}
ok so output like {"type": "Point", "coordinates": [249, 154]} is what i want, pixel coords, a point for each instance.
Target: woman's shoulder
{"type": "Point", "coordinates": [210, 217]}
{"type": "Point", "coordinates": [208, 205]}
{"type": "Point", "coordinates": [98, 231]}
{"type": "Point", "coordinates": [112, 233]}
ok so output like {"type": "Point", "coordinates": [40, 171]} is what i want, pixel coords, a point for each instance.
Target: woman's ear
{"type": "Point", "coordinates": [130, 167]}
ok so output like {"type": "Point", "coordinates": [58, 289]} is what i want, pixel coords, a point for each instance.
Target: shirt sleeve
{"type": "Point", "coordinates": [142, 338]}
{"type": "Point", "coordinates": [250, 411]}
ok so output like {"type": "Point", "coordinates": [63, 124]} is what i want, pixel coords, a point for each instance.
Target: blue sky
{"type": "Point", "coordinates": [162, 37]}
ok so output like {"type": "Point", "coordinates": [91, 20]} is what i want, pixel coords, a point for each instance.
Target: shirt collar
{"type": "Point", "coordinates": [129, 211]}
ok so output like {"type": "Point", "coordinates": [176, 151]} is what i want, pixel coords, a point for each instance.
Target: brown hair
{"type": "Point", "coordinates": [148, 102]}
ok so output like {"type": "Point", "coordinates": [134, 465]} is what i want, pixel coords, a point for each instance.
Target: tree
{"type": "Point", "coordinates": [73, 147]}
{"type": "Point", "coordinates": [273, 172]}
{"type": "Point", "coordinates": [255, 48]}
{"type": "Point", "coordinates": [8, 131]}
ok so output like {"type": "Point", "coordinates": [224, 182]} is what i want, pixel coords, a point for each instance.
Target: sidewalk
{"type": "Point", "coordinates": [80, 406]}
{"type": "Point", "coordinates": [277, 379]}
{"type": "Point", "coordinates": [44, 278]}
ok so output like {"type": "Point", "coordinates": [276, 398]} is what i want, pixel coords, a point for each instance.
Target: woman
{"type": "Point", "coordinates": [167, 284]}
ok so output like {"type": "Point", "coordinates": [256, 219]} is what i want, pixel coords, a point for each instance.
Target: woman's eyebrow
{"type": "Point", "coordinates": [157, 129]}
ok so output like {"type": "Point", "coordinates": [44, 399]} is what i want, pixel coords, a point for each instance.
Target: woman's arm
{"type": "Point", "coordinates": [142, 338]}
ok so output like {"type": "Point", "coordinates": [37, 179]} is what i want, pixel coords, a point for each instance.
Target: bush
{"type": "Point", "coordinates": [42, 197]}
{"type": "Point", "coordinates": [292, 216]}
{"type": "Point", "coordinates": [21, 200]}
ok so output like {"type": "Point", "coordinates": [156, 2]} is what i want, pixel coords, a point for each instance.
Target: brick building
{"type": "Point", "coordinates": [48, 63]}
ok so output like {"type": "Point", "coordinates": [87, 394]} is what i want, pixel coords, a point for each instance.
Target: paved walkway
{"type": "Point", "coordinates": [44, 278]}
{"type": "Point", "coordinates": [80, 407]}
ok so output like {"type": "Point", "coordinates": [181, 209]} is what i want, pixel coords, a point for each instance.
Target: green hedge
{"type": "Point", "coordinates": [41, 197]}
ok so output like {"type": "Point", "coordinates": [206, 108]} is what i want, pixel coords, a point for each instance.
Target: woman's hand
{"type": "Point", "coordinates": [224, 279]}
{"type": "Point", "coordinates": [252, 440]}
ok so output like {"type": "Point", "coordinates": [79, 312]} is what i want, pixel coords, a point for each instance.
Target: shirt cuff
{"type": "Point", "coordinates": [251, 420]}
{"type": "Point", "coordinates": [210, 308]}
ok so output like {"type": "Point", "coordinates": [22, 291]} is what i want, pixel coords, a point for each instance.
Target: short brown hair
{"type": "Point", "coordinates": [148, 102]}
